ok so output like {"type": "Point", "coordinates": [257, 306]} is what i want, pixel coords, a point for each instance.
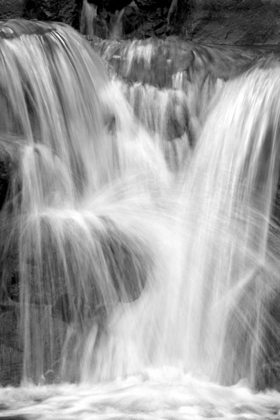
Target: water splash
{"type": "Point", "coordinates": [163, 395]}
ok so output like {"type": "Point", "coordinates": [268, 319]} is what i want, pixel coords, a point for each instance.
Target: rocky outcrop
{"type": "Point", "coordinates": [66, 11]}
{"type": "Point", "coordinates": [11, 8]}
{"type": "Point", "coordinates": [138, 18]}
{"type": "Point", "coordinates": [233, 22]}
{"type": "Point", "coordinates": [242, 22]}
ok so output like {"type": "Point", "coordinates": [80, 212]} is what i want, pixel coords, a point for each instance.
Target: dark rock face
{"type": "Point", "coordinates": [242, 22]}
{"type": "Point", "coordinates": [11, 8]}
{"type": "Point", "coordinates": [139, 18]}
{"type": "Point", "coordinates": [66, 11]}
{"type": "Point", "coordinates": [233, 22]}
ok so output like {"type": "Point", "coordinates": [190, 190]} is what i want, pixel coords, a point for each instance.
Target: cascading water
{"type": "Point", "coordinates": [136, 282]}
{"type": "Point", "coordinates": [232, 247]}
{"type": "Point", "coordinates": [83, 212]}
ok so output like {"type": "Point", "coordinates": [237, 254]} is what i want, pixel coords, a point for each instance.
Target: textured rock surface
{"type": "Point", "coordinates": [11, 8]}
{"type": "Point", "coordinates": [66, 11]}
{"type": "Point", "coordinates": [233, 21]}
{"type": "Point", "coordinates": [11, 347]}
{"type": "Point", "coordinates": [241, 22]}
{"type": "Point", "coordinates": [54, 10]}
{"type": "Point", "coordinates": [138, 18]}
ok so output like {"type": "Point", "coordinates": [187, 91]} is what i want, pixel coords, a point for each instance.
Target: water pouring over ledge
{"type": "Point", "coordinates": [82, 214]}
{"type": "Point", "coordinates": [123, 267]}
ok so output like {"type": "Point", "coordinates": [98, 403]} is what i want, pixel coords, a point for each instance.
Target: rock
{"type": "Point", "coordinates": [137, 18]}
{"type": "Point", "coordinates": [231, 22]}
{"type": "Point", "coordinates": [149, 5]}
{"type": "Point", "coordinates": [11, 8]}
{"type": "Point", "coordinates": [213, 21]}
{"type": "Point", "coordinates": [10, 349]}
{"type": "Point", "coordinates": [111, 5]}
{"type": "Point", "coordinates": [11, 346]}
{"type": "Point", "coordinates": [167, 58]}
{"type": "Point", "coordinates": [65, 11]}
{"type": "Point", "coordinates": [5, 167]}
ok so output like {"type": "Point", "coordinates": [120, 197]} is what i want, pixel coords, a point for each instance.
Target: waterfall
{"type": "Point", "coordinates": [232, 243]}
{"type": "Point", "coordinates": [85, 214]}
{"type": "Point", "coordinates": [138, 226]}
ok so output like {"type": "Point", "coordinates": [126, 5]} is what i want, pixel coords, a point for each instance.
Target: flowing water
{"type": "Point", "coordinates": [139, 231]}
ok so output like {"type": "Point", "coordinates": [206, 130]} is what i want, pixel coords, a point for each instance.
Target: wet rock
{"type": "Point", "coordinates": [228, 22]}
{"type": "Point", "coordinates": [110, 5]}
{"type": "Point", "coordinates": [10, 349]}
{"type": "Point", "coordinates": [11, 344]}
{"type": "Point", "coordinates": [65, 11]}
{"type": "Point", "coordinates": [137, 18]}
{"type": "Point", "coordinates": [212, 21]}
{"type": "Point", "coordinates": [128, 269]}
{"type": "Point", "coordinates": [10, 9]}
{"type": "Point", "coordinates": [5, 169]}
{"type": "Point", "coordinates": [157, 61]}
{"type": "Point", "coordinates": [152, 4]}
